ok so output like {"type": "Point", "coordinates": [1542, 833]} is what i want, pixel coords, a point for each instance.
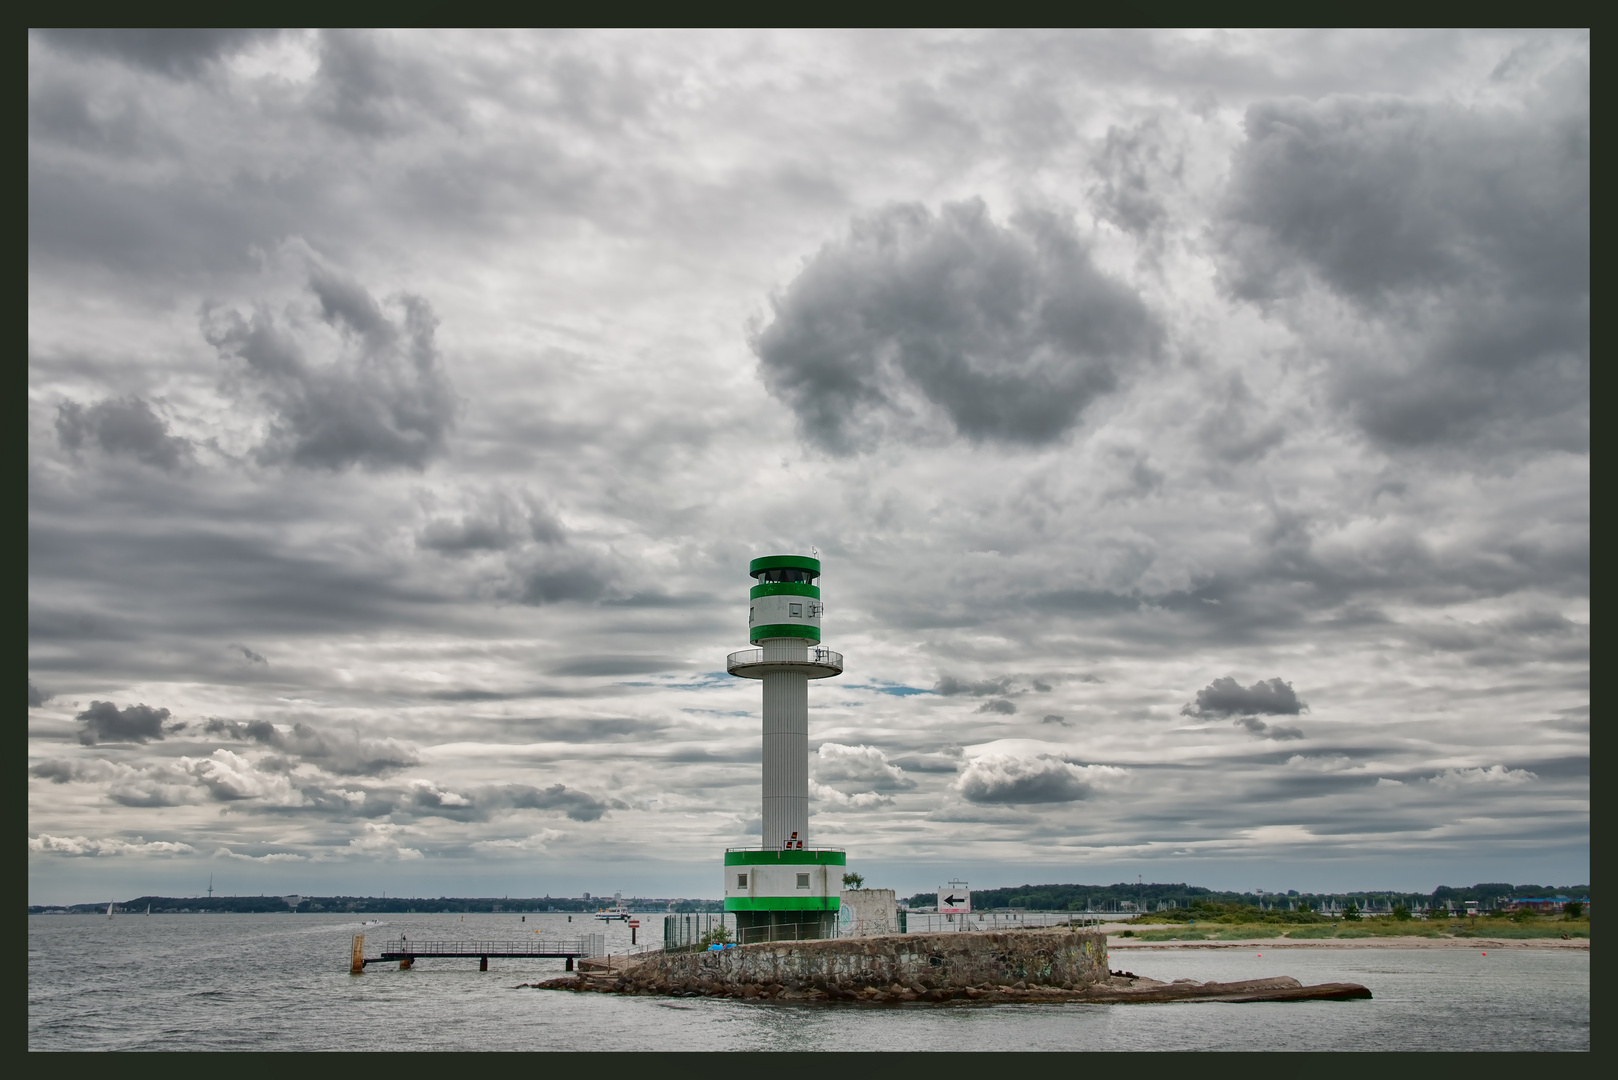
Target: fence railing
{"type": "Point", "coordinates": [810, 931]}
{"type": "Point", "coordinates": [827, 658]}
{"type": "Point", "coordinates": [582, 945]}
{"type": "Point", "coordinates": [687, 930]}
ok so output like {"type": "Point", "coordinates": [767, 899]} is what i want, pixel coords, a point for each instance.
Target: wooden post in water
{"type": "Point", "coordinates": [357, 965]}
{"type": "Point", "coordinates": [483, 963]}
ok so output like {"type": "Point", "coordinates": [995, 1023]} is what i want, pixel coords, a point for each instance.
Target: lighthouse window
{"type": "Point", "coordinates": [801, 577]}
{"type": "Point", "coordinates": [741, 881]}
{"type": "Point", "coordinates": [795, 610]}
{"type": "Point", "coordinates": [803, 881]}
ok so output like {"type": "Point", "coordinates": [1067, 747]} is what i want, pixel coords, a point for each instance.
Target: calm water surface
{"type": "Point", "coordinates": [281, 982]}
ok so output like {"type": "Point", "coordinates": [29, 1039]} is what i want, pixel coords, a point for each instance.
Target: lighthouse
{"type": "Point", "coordinates": [786, 889]}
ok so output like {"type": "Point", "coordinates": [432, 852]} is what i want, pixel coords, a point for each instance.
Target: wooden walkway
{"type": "Point", "coordinates": [408, 952]}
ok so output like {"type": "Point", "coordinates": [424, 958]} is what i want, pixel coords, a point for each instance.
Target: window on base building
{"type": "Point", "coordinates": [741, 881]}
{"type": "Point", "coordinates": [803, 881]}
{"type": "Point", "coordinates": [795, 610]}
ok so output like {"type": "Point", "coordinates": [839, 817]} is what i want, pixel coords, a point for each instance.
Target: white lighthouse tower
{"type": "Point", "coordinates": [785, 889]}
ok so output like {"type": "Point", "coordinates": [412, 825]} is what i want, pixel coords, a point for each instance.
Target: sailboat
{"type": "Point", "coordinates": [109, 911]}
{"type": "Point", "coordinates": [148, 910]}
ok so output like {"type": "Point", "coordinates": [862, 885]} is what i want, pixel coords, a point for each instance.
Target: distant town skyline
{"type": "Point", "coordinates": [1193, 427]}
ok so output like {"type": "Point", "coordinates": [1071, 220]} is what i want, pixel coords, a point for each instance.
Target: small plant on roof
{"type": "Point", "coordinates": [853, 881]}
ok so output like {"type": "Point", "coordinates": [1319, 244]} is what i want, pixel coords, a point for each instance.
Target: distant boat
{"type": "Point", "coordinates": [109, 911]}
{"type": "Point", "coordinates": [617, 912]}
{"type": "Point", "coordinates": [148, 909]}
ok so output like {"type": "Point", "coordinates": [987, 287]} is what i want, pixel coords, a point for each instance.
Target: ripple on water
{"type": "Point", "coordinates": [282, 982]}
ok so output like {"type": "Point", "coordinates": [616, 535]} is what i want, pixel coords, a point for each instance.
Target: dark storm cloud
{"type": "Point", "coordinates": [1134, 165]}
{"type": "Point", "coordinates": [281, 587]}
{"type": "Point", "coordinates": [1054, 718]}
{"type": "Point", "coordinates": [1267, 731]}
{"type": "Point", "coordinates": [105, 721]}
{"type": "Point", "coordinates": [123, 427]}
{"type": "Point", "coordinates": [486, 802]}
{"type": "Point", "coordinates": [553, 581]}
{"type": "Point", "coordinates": [348, 755]}
{"type": "Point", "coordinates": [36, 696]}
{"type": "Point", "coordinates": [1010, 332]}
{"type": "Point", "coordinates": [998, 778]}
{"type": "Point", "coordinates": [179, 52]}
{"type": "Point", "coordinates": [999, 705]}
{"type": "Point", "coordinates": [950, 686]}
{"type": "Point", "coordinates": [1461, 234]}
{"type": "Point", "coordinates": [250, 656]}
{"type": "Point", "coordinates": [383, 402]}
{"type": "Point", "coordinates": [499, 523]}
{"type": "Point", "coordinates": [1226, 697]}
{"type": "Point", "coordinates": [371, 90]}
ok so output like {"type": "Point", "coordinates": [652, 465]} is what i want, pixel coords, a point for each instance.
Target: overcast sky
{"type": "Point", "coordinates": [1194, 429]}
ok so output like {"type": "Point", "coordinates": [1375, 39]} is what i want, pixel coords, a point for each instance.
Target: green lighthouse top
{"type": "Point", "coordinates": [785, 568]}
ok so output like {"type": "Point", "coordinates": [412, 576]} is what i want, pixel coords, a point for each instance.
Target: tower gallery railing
{"type": "Point", "coordinates": [819, 658]}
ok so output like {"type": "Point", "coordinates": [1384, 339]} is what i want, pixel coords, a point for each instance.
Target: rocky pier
{"type": "Point", "coordinates": [1020, 966]}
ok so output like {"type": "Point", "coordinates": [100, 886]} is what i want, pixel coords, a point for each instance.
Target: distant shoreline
{"type": "Point", "coordinates": [1479, 943]}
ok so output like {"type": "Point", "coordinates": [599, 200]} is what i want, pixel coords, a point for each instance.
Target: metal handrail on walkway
{"type": "Point", "coordinates": [407, 952]}
{"type": "Point", "coordinates": [584, 945]}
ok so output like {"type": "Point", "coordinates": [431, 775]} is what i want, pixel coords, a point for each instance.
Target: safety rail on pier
{"type": "Point", "coordinates": [407, 952]}
{"type": "Point", "coordinates": [584, 945]}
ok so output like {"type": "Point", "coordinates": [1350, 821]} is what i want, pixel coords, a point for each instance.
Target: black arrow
{"type": "Point", "coordinates": [954, 899]}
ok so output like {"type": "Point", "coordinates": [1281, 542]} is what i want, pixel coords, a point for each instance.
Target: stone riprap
{"type": "Point", "coordinates": [932, 967]}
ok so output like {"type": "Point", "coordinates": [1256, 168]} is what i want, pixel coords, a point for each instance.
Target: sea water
{"type": "Point", "coordinates": [281, 982]}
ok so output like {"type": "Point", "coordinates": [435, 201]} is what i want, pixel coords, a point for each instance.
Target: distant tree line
{"type": "Point", "coordinates": [370, 905]}
{"type": "Point", "coordinates": [1162, 898]}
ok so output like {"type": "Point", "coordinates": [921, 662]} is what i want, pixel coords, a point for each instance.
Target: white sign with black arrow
{"type": "Point", "coordinates": [955, 900]}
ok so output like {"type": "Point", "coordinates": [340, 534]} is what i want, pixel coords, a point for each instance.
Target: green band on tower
{"type": "Point", "coordinates": [783, 903]}
{"type": "Point", "coordinates": [760, 633]}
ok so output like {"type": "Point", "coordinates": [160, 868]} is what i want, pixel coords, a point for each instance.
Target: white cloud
{"type": "Point", "coordinates": [1003, 778]}
{"type": "Point", "coordinates": [45, 843]}
{"type": "Point", "coordinates": [1488, 776]}
{"type": "Point", "coordinates": [830, 796]}
{"type": "Point", "coordinates": [271, 857]}
{"type": "Point", "coordinates": [483, 449]}
{"type": "Point", "coordinates": [863, 765]}
{"type": "Point", "coordinates": [534, 842]}
{"type": "Point", "coordinates": [381, 840]}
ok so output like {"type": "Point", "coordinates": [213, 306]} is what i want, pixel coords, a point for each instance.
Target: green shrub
{"type": "Point", "coordinates": [719, 935]}
{"type": "Point", "coordinates": [1543, 930]}
{"type": "Point", "coordinates": [1573, 910]}
{"type": "Point", "coordinates": [1401, 913]}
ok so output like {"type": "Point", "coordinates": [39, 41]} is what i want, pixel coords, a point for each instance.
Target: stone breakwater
{"type": "Point", "coordinates": [1024, 966]}
{"type": "Point", "coordinates": [930, 967]}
